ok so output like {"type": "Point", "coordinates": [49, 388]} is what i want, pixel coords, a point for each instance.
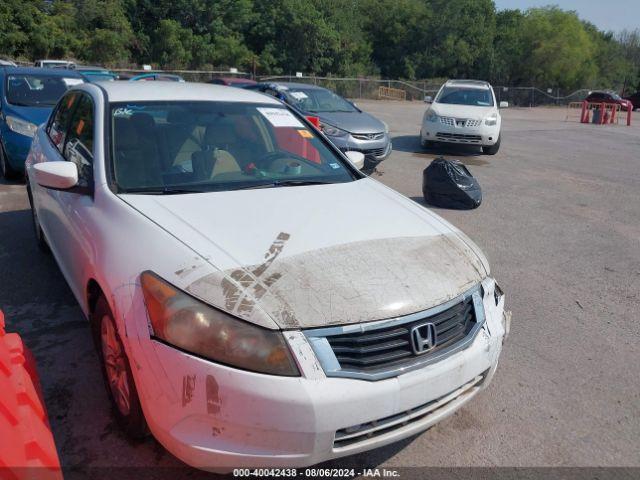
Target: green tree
{"type": "Point", "coordinates": [509, 47]}
{"type": "Point", "coordinates": [172, 45]}
{"type": "Point", "coordinates": [560, 52]}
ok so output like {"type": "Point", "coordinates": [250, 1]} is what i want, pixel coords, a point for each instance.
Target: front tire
{"type": "Point", "coordinates": [492, 149]}
{"type": "Point", "coordinates": [117, 374]}
{"type": "Point", "coordinates": [427, 144]}
{"type": "Point", "coordinates": [41, 240]}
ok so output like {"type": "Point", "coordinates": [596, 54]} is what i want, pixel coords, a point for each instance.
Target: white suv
{"type": "Point", "coordinates": [464, 112]}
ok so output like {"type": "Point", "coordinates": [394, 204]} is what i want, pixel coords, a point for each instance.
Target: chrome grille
{"type": "Point", "coordinates": [368, 136]}
{"type": "Point", "coordinates": [387, 348]}
{"type": "Point", "coordinates": [460, 122]}
{"type": "Point", "coordinates": [384, 347]}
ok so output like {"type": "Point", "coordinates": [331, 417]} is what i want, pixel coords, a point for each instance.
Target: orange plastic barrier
{"type": "Point", "coordinates": [27, 449]}
{"type": "Point", "coordinates": [608, 113]}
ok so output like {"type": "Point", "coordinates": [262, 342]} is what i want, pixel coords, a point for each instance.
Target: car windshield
{"type": "Point", "coordinates": [317, 100]}
{"type": "Point", "coordinates": [477, 97]}
{"type": "Point", "coordinates": [37, 90]}
{"type": "Point", "coordinates": [182, 147]}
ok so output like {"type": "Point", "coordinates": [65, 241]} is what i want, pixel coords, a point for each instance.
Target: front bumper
{"type": "Point", "coordinates": [216, 417]}
{"type": "Point", "coordinates": [16, 147]}
{"type": "Point", "coordinates": [374, 150]}
{"type": "Point", "coordinates": [482, 135]}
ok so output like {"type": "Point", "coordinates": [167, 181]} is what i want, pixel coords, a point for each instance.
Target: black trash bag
{"type": "Point", "coordinates": [449, 184]}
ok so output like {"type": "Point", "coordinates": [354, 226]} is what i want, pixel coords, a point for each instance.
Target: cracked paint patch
{"type": "Point", "coordinates": [188, 386]}
{"type": "Point", "coordinates": [212, 396]}
{"type": "Point", "coordinates": [248, 286]}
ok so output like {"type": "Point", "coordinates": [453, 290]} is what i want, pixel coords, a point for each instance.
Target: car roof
{"type": "Point", "coordinates": [91, 67]}
{"type": "Point", "coordinates": [54, 72]}
{"type": "Point", "coordinates": [172, 91]}
{"type": "Point", "coordinates": [235, 79]}
{"type": "Point", "coordinates": [291, 85]}
{"type": "Point", "coordinates": [306, 86]}
{"type": "Point", "coordinates": [468, 83]}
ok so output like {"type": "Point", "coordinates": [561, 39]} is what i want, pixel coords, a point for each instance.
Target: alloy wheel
{"type": "Point", "coordinates": [115, 363]}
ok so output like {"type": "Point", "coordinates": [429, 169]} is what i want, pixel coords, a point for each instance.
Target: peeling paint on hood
{"type": "Point", "coordinates": [345, 284]}
{"type": "Point", "coordinates": [317, 255]}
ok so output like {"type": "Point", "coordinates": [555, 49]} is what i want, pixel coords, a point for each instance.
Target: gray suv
{"type": "Point", "coordinates": [348, 127]}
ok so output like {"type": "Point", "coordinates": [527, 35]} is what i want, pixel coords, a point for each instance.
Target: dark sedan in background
{"type": "Point", "coordinates": [609, 97]}
{"type": "Point", "coordinates": [27, 96]}
{"type": "Point", "coordinates": [348, 127]}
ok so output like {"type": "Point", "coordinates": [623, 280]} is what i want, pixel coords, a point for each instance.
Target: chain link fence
{"type": "Point", "coordinates": [370, 88]}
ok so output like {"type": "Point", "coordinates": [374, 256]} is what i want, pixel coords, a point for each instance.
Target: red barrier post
{"type": "Point", "coordinates": [27, 448]}
{"type": "Point", "coordinates": [584, 116]}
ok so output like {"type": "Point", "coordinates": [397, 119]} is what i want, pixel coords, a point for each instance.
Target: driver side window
{"type": "Point", "coordinates": [78, 147]}
{"type": "Point", "coordinates": [59, 123]}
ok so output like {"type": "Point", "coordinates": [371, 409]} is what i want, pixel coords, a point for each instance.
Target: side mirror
{"type": "Point", "coordinates": [504, 104]}
{"type": "Point", "coordinates": [59, 175]}
{"type": "Point", "coordinates": [428, 99]}
{"type": "Point", "coordinates": [357, 158]}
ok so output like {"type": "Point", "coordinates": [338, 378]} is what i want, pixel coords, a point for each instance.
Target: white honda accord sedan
{"type": "Point", "coordinates": [255, 299]}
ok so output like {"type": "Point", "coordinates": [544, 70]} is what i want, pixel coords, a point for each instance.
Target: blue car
{"type": "Point", "coordinates": [27, 96]}
{"type": "Point", "coordinates": [96, 74]}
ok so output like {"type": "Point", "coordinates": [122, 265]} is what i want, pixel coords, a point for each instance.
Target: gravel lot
{"type": "Point", "coordinates": [560, 224]}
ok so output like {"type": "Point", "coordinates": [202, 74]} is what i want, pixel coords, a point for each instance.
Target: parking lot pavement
{"type": "Point", "coordinates": [560, 224]}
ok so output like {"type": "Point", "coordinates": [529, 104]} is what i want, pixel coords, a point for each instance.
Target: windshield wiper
{"type": "Point", "coordinates": [285, 183]}
{"type": "Point", "coordinates": [163, 191]}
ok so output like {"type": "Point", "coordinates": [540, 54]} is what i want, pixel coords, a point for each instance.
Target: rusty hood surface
{"type": "Point", "coordinates": [314, 256]}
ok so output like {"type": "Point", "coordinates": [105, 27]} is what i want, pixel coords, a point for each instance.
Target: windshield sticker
{"type": "Point", "coordinates": [305, 133]}
{"type": "Point", "coordinates": [70, 82]}
{"type": "Point", "coordinates": [280, 117]}
{"type": "Point", "coordinates": [299, 95]}
{"type": "Point", "coordinates": [335, 166]}
{"type": "Point", "coordinates": [122, 112]}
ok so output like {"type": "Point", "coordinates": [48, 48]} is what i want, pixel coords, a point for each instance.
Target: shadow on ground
{"type": "Point", "coordinates": [467, 154]}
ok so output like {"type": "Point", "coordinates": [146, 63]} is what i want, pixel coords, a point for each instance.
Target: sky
{"type": "Point", "coordinates": [613, 15]}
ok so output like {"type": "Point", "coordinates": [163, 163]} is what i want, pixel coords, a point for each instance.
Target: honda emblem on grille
{"type": "Point", "coordinates": [423, 338]}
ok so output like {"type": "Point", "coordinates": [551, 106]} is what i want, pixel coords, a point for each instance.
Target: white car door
{"type": "Point", "coordinates": [63, 214]}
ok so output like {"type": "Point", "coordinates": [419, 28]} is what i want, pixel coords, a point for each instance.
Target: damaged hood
{"type": "Point", "coordinates": [312, 256]}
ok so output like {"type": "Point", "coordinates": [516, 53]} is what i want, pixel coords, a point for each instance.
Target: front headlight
{"type": "Point", "coordinates": [22, 127]}
{"type": "Point", "coordinates": [332, 131]}
{"type": "Point", "coordinates": [491, 120]}
{"type": "Point", "coordinates": [431, 117]}
{"type": "Point", "coordinates": [182, 321]}
{"type": "Point", "coordinates": [386, 127]}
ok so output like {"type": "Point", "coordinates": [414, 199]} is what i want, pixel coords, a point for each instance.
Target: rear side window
{"type": "Point", "coordinates": [79, 142]}
{"type": "Point", "coordinates": [59, 124]}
